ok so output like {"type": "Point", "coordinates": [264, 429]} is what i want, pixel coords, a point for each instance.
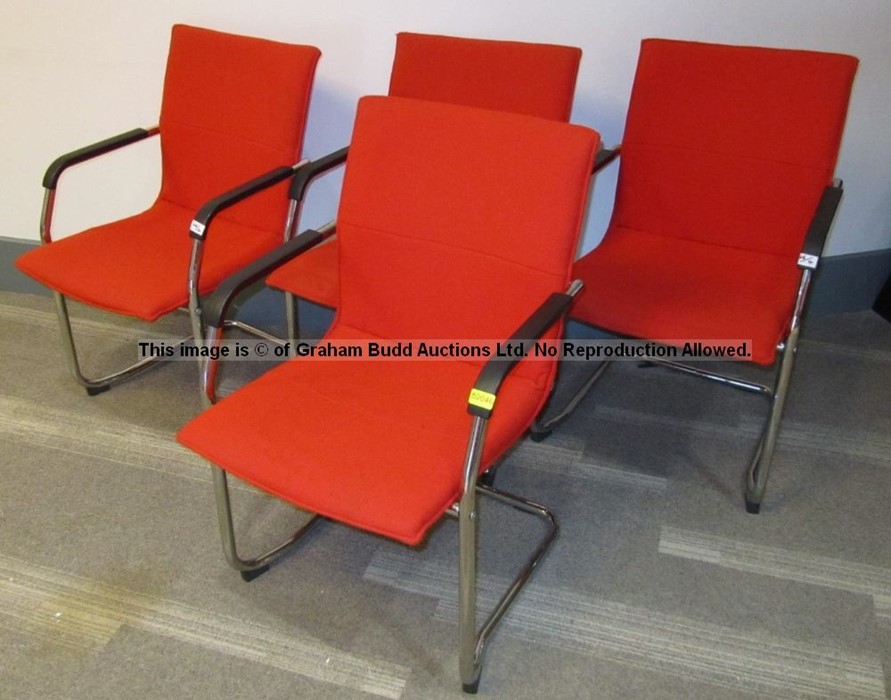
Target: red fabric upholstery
{"type": "Point", "coordinates": [726, 152]}
{"type": "Point", "coordinates": [534, 79]}
{"type": "Point", "coordinates": [233, 107]}
{"type": "Point", "coordinates": [650, 286]}
{"type": "Point", "coordinates": [455, 223]}
{"type": "Point", "coordinates": [512, 76]}
{"type": "Point", "coordinates": [110, 266]}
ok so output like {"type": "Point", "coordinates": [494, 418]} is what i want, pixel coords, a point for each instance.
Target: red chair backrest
{"type": "Point", "coordinates": [455, 223]}
{"type": "Point", "coordinates": [731, 145]}
{"type": "Point", "coordinates": [527, 78]}
{"type": "Point", "coordinates": [233, 108]}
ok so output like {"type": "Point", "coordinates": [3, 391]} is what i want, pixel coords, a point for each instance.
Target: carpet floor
{"type": "Point", "coordinates": [112, 582]}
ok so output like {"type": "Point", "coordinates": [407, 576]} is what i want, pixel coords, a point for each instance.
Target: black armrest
{"type": "Point", "coordinates": [302, 173]}
{"type": "Point", "coordinates": [313, 169]}
{"type": "Point", "coordinates": [485, 389]}
{"type": "Point", "coordinates": [209, 210]}
{"type": "Point", "coordinates": [815, 241]}
{"type": "Point", "coordinates": [217, 303]}
{"type": "Point", "coordinates": [54, 171]}
{"type": "Point", "coordinates": [604, 157]}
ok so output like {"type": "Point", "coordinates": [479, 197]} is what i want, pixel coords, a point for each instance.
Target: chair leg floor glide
{"type": "Point", "coordinates": [101, 384]}
{"type": "Point", "coordinates": [256, 566]}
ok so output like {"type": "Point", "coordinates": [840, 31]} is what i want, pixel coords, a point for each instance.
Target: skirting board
{"type": "Point", "coordinates": [842, 283]}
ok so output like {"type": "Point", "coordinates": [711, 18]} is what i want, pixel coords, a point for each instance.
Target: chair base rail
{"type": "Point", "coordinates": [256, 566]}
{"type": "Point", "coordinates": [542, 429]}
{"type": "Point", "coordinates": [472, 643]}
{"type": "Point", "coordinates": [100, 384]}
{"type": "Point", "coordinates": [759, 467]}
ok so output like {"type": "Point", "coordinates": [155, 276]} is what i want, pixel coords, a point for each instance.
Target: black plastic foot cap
{"type": "Point", "coordinates": [471, 687]}
{"type": "Point", "coordinates": [94, 390]}
{"type": "Point", "coordinates": [539, 435]}
{"type": "Point", "coordinates": [249, 576]}
{"type": "Point", "coordinates": [753, 508]}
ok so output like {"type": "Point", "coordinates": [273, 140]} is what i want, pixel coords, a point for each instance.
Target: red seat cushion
{"type": "Point", "coordinates": [525, 78]}
{"type": "Point", "coordinates": [377, 445]}
{"type": "Point", "coordinates": [649, 286]}
{"type": "Point", "coordinates": [139, 266]}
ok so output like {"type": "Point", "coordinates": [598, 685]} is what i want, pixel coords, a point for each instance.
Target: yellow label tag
{"type": "Point", "coordinates": [481, 399]}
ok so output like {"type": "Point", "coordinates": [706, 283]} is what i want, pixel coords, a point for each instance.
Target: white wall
{"type": "Point", "coordinates": [72, 73]}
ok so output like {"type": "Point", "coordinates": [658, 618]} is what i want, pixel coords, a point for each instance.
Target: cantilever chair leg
{"type": "Point", "coordinates": [759, 470]}
{"type": "Point", "coordinates": [248, 568]}
{"type": "Point", "coordinates": [472, 643]}
{"type": "Point", "coordinates": [542, 429]}
{"type": "Point", "coordinates": [96, 386]}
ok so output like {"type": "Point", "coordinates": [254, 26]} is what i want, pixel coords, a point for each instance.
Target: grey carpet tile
{"type": "Point", "coordinates": [75, 612]}
{"type": "Point", "coordinates": [845, 351]}
{"type": "Point", "coordinates": [869, 445]}
{"type": "Point", "coordinates": [26, 423]}
{"type": "Point", "coordinates": [659, 586]}
{"type": "Point", "coordinates": [776, 561]}
{"type": "Point", "coordinates": [710, 653]}
{"type": "Point", "coordinates": [557, 461]}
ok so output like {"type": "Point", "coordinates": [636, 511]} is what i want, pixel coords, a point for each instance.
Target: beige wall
{"type": "Point", "coordinates": [72, 73]}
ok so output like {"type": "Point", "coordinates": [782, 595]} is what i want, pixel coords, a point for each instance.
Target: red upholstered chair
{"type": "Point", "coordinates": [725, 197]}
{"type": "Point", "coordinates": [233, 107]}
{"type": "Point", "coordinates": [534, 79]}
{"type": "Point", "coordinates": [448, 231]}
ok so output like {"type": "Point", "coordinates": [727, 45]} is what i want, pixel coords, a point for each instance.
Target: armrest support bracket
{"type": "Point", "coordinates": [485, 390]}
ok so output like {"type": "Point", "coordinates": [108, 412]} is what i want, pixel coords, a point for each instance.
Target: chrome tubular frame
{"type": "Point", "coordinates": [541, 429]}
{"type": "Point", "coordinates": [759, 470]}
{"type": "Point", "coordinates": [96, 386]}
{"type": "Point", "coordinates": [100, 384]}
{"type": "Point", "coordinates": [194, 297]}
{"type": "Point", "coordinates": [293, 324]}
{"type": "Point", "coordinates": [46, 215]}
{"type": "Point", "coordinates": [759, 467]}
{"type": "Point", "coordinates": [472, 643]}
{"type": "Point", "coordinates": [714, 377]}
{"type": "Point", "coordinates": [248, 568]}
{"type": "Point", "coordinates": [208, 373]}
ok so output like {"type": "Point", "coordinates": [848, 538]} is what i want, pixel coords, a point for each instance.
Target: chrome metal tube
{"type": "Point", "coordinates": [713, 376]}
{"type": "Point", "coordinates": [759, 470]}
{"type": "Point", "coordinates": [46, 216]}
{"type": "Point", "coordinates": [227, 531]}
{"type": "Point", "coordinates": [544, 544]}
{"type": "Point", "coordinates": [70, 351]}
{"type": "Point", "coordinates": [470, 663]}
